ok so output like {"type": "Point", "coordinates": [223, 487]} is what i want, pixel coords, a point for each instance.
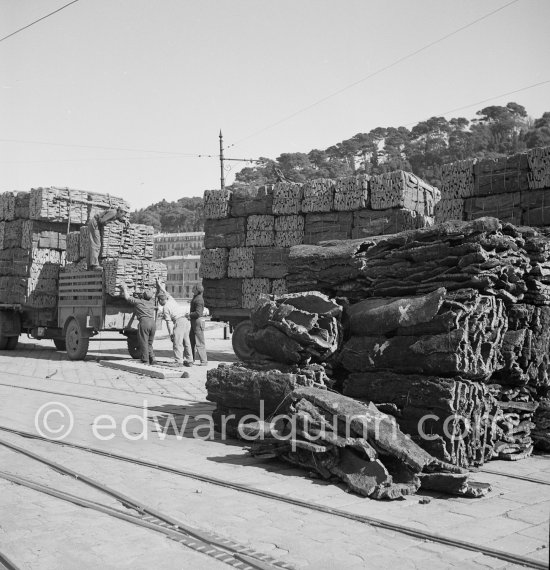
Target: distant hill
{"type": "Point", "coordinates": [495, 131]}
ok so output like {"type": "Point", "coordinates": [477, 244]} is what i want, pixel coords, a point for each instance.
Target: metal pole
{"type": "Point", "coordinates": [222, 178]}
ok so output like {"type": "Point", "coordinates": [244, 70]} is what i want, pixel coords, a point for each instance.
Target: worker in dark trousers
{"type": "Point", "coordinates": [144, 310]}
{"type": "Point", "coordinates": [195, 315]}
{"type": "Point", "coordinates": [94, 232]}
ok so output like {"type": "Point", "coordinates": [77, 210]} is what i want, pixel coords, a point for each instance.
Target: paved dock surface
{"type": "Point", "coordinates": [166, 421]}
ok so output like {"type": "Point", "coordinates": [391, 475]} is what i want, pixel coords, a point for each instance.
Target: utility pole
{"type": "Point", "coordinates": [222, 177]}
{"type": "Point", "coordinates": [223, 159]}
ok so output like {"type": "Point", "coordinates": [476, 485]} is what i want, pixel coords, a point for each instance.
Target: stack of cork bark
{"type": "Point", "coordinates": [125, 256]}
{"type": "Point", "coordinates": [326, 433]}
{"type": "Point", "coordinates": [515, 189]}
{"type": "Point", "coordinates": [42, 229]}
{"type": "Point", "coordinates": [296, 328]}
{"type": "Point", "coordinates": [462, 301]}
{"type": "Point", "coordinates": [274, 218]}
{"type": "Point", "coordinates": [138, 275]}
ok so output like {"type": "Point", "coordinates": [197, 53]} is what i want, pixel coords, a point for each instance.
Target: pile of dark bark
{"type": "Point", "coordinates": [259, 389]}
{"type": "Point", "coordinates": [296, 328]}
{"type": "Point", "coordinates": [454, 255]}
{"type": "Point", "coordinates": [340, 438]}
{"type": "Point", "coordinates": [451, 418]}
{"type": "Point", "coordinates": [441, 333]}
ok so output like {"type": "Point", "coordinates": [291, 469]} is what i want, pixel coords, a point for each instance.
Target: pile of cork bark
{"type": "Point", "coordinates": [248, 232]}
{"type": "Point", "coordinates": [43, 229]}
{"type": "Point", "coordinates": [515, 189]}
{"type": "Point", "coordinates": [286, 409]}
{"type": "Point", "coordinates": [438, 328]}
{"type": "Point", "coordinates": [33, 241]}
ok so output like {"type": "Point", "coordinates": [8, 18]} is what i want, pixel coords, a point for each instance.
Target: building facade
{"type": "Point", "coordinates": [169, 245]}
{"type": "Point", "coordinates": [182, 274]}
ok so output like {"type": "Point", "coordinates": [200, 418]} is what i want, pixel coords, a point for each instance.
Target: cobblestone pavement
{"type": "Point", "coordinates": [42, 532]}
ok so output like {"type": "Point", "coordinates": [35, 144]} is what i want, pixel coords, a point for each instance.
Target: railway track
{"type": "Point", "coordinates": [188, 402]}
{"type": "Point", "coordinates": [363, 519]}
{"type": "Point", "coordinates": [6, 563]}
{"type": "Point", "coordinates": [222, 549]}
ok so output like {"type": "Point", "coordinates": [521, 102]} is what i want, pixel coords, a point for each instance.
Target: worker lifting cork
{"type": "Point", "coordinates": [95, 224]}
{"type": "Point", "coordinates": [144, 310]}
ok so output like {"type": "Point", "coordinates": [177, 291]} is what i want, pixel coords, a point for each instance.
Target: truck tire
{"type": "Point", "coordinates": [133, 347]}
{"type": "Point", "coordinates": [9, 330]}
{"type": "Point", "coordinates": [76, 341]}
{"type": "Point", "coordinates": [60, 344]}
{"type": "Point", "coordinates": [240, 344]}
{"type": "Point", "coordinates": [12, 343]}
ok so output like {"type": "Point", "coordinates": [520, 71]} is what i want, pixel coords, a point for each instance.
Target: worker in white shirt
{"type": "Point", "coordinates": [178, 326]}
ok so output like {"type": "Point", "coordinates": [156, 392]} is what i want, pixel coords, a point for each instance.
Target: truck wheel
{"type": "Point", "coordinates": [240, 344]}
{"type": "Point", "coordinates": [12, 343]}
{"type": "Point", "coordinates": [76, 341]}
{"type": "Point", "coordinates": [133, 347]}
{"type": "Point", "coordinates": [60, 344]}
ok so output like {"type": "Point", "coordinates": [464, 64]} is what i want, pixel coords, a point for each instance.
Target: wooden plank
{"type": "Point", "coordinates": [161, 372]}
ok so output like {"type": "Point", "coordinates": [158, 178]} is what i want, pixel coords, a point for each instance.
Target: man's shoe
{"type": "Point", "coordinates": [203, 364]}
{"type": "Point", "coordinates": [187, 363]}
{"type": "Point", "coordinates": [152, 362]}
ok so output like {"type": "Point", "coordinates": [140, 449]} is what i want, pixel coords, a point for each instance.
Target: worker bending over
{"type": "Point", "coordinates": [196, 311]}
{"type": "Point", "coordinates": [144, 310]}
{"type": "Point", "coordinates": [94, 232]}
{"type": "Point", "coordinates": [178, 326]}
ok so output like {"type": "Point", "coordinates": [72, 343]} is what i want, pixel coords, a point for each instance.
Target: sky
{"type": "Point", "coordinates": [128, 97]}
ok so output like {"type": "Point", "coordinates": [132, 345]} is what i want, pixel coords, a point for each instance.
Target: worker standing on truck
{"type": "Point", "coordinates": [178, 326]}
{"type": "Point", "coordinates": [94, 232]}
{"type": "Point", "coordinates": [144, 310]}
{"type": "Point", "coordinates": [196, 336]}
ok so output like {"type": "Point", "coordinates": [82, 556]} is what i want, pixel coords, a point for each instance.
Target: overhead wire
{"type": "Point", "coordinates": [374, 73]}
{"type": "Point", "coordinates": [39, 20]}
{"type": "Point", "coordinates": [99, 147]}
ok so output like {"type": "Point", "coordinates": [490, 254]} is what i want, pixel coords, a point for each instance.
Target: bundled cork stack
{"type": "Point", "coordinates": [42, 229]}
{"type": "Point", "coordinates": [216, 204]}
{"type": "Point", "coordinates": [135, 241]}
{"type": "Point", "coordinates": [351, 193]}
{"type": "Point", "coordinates": [14, 205]}
{"type": "Point", "coordinates": [289, 230]}
{"type": "Point", "coordinates": [138, 275]}
{"type": "Point", "coordinates": [515, 189]}
{"type": "Point", "coordinates": [286, 214]}
{"type": "Point", "coordinates": [213, 263]}
{"type": "Point", "coordinates": [539, 168]}
{"type": "Point", "coordinates": [73, 246]}
{"type": "Point", "coordinates": [260, 231]}
{"type": "Point", "coordinates": [401, 189]}
{"type": "Point", "coordinates": [318, 195]}
{"type": "Point", "coordinates": [241, 262]}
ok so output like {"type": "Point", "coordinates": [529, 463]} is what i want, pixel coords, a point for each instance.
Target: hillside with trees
{"type": "Point", "coordinates": [495, 131]}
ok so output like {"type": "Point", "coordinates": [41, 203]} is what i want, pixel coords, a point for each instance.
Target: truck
{"type": "Point", "coordinates": [83, 310]}
{"type": "Point", "coordinates": [239, 325]}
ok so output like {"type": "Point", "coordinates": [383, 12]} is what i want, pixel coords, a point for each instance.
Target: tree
{"type": "Point", "coordinates": [539, 133]}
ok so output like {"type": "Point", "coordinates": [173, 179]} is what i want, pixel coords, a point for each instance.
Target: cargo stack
{"type": "Point", "coordinates": [249, 232]}
{"type": "Point", "coordinates": [42, 230]}
{"type": "Point", "coordinates": [452, 320]}
{"type": "Point", "coordinates": [514, 189]}
{"type": "Point", "coordinates": [125, 255]}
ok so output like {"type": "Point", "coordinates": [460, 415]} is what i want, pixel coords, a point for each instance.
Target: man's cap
{"type": "Point", "coordinates": [162, 296]}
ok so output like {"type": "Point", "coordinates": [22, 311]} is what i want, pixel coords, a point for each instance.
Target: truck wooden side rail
{"type": "Point", "coordinates": [83, 311]}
